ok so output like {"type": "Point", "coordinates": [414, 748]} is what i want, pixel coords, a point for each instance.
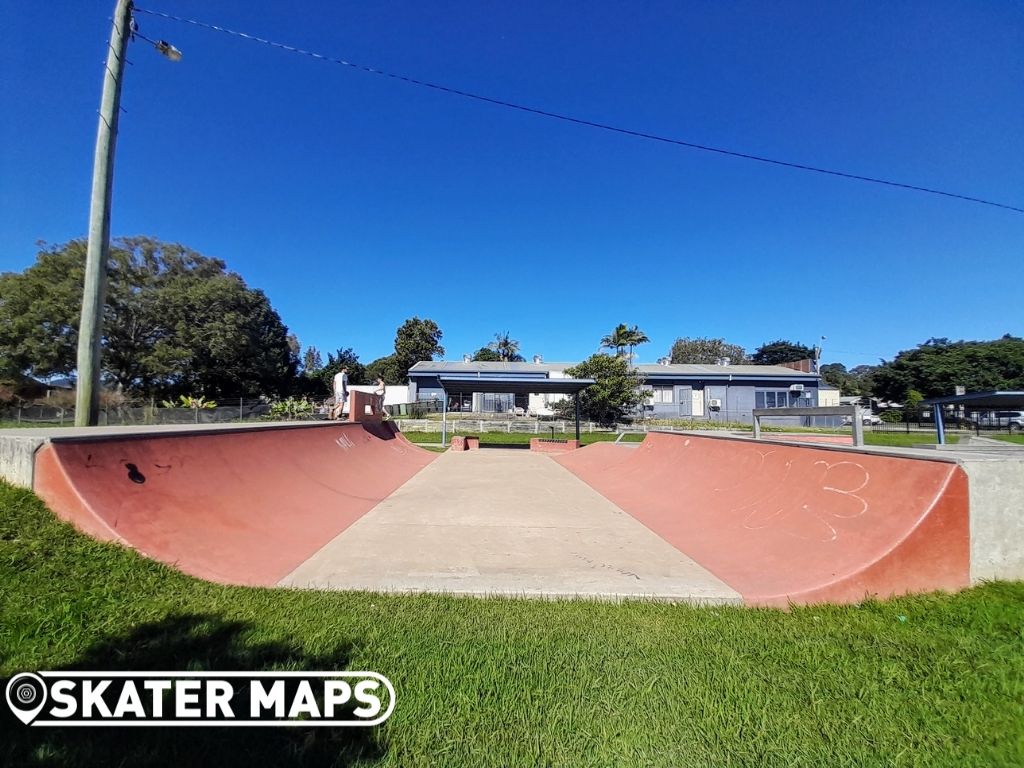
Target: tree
{"type": "Point", "coordinates": [506, 348]}
{"type": "Point", "coordinates": [634, 338]}
{"type": "Point", "coordinates": [615, 394]}
{"type": "Point", "coordinates": [311, 360]}
{"type": "Point", "coordinates": [343, 358]}
{"type": "Point", "coordinates": [777, 352]}
{"type": "Point", "coordinates": [415, 340]}
{"type": "Point", "coordinates": [617, 339]}
{"type": "Point", "coordinates": [864, 375]}
{"type": "Point", "coordinates": [706, 352]}
{"type": "Point", "coordinates": [175, 322]}
{"type": "Point", "coordinates": [486, 355]}
{"type": "Point", "coordinates": [386, 368]}
{"type": "Point", "coordinates": [836, 375]}
{"type": "Point", "coordinates": [938, 366]}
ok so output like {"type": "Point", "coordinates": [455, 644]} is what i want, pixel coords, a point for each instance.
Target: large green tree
{"type": "Point", "coordinates": [781, 351]}
{"type": "Point", "coordinates": [386, 368]}
{"type": "Point", "coordinates": [618, 340]}
{"type": "Point", "coordinates": [175, 322]}
{"type": "Point", "coordinates": [506, 348]}
{"type": "Point", "coordinates": [415, 340]}
{"type": "Point", "coordinates": [350, 360]}
{"type": "Point", "coordinates": [311, 361]}
{"type": "Point", "coordinates": [615, 394]}
{"type": "Point", "coordinates": [624, 339]}
{"type": "Point", "coordinates": [486, 355]}
{"type": "Point", "coordinates": [634, 338]}
{"type": "Point", "coordinates": [706, 351]}
{"type": "Point", "coordinates": [938, 366]}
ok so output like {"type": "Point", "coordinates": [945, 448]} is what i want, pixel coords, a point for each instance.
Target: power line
{"type": "Point", "coordinates": [577, 120]}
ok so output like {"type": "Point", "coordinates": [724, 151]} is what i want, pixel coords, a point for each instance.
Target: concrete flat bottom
{"type": "Point", "coordinates": [505, 522]}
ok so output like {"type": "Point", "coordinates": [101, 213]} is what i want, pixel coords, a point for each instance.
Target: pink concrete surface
{"type": "Point", "coordinates": [784, 523]}
{"type": "Point", "coordinates": [240, 507]}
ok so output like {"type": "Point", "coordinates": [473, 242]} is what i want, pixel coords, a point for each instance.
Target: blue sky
{"type": "Point", "coordinates": [356, 201]}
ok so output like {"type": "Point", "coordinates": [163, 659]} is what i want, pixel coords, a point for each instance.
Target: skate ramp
{"type": "Point", "coordinates": [240, 507]}
{"type": "Point", "coordinates": [784, 523]}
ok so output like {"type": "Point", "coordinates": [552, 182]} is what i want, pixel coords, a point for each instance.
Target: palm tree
{"type": "Point", "coordinates": [634, 338]}
{"type": "Point", "coordinates": [506, 347]}
{"type": "Point", "coordinates": [617, 339]}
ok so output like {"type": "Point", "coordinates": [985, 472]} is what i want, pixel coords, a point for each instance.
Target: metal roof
{"type": "Point", "coordinates": [689, 370]}
{"type": "Point", "coordinates": [445, 366]}
{"type": "Point", "coordinates": [521, 385]}
{"type": "Point", "coordinates": [694, 370]}
{"type": "Point", "coordinates": [987, 400]}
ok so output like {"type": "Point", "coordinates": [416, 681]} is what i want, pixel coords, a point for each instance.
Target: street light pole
{"type": "Point", "coordinates": [90, 331]}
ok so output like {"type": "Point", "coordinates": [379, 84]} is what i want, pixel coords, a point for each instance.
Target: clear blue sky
{"type": "Point", "coordinates": [356, 201]}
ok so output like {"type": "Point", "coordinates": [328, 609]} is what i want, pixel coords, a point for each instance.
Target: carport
{"type": "Point", "coordinates": [468, 384]}
{"type": "Point", "coordinates": [978, 401]}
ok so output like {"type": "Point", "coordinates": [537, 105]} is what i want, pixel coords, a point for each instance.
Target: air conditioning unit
{"type": "Point", "coordinates": [796, 388]}
{"type": "Point", "coordinates": [714, 403]}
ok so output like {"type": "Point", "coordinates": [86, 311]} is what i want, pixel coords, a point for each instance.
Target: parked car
{"type": "Point", "coordinates": [1011, 420]}
{"type": "Point", "coordinates": [867, 419]}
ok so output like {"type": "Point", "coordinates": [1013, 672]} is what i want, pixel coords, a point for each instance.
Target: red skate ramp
{"type": "Point", "coordinates": [244, 506]}
{"type": "Point", "coordinates": [782, 523]}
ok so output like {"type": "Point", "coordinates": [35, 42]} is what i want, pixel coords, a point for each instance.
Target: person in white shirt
{"type": "Point", "coordinates": [340, 392]}
{"type": "Point", "coordinates": [380, 391]}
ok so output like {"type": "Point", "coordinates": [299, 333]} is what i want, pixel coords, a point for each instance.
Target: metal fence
{"type": "Point", "coordinates": [923, 421]}
{"type": "Point", "coordinates": [38, 414]}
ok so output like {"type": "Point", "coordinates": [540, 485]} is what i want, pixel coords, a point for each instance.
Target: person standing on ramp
{"type": "Point", "coordinates": [340, 392]}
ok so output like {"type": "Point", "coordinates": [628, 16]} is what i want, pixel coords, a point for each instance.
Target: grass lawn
{"type": "Point", "coordinates": [929, 680]}
{"type": "Point", "coordinates": [1018, 439]}
{"type": "Point", "coordinates": [905, 440]}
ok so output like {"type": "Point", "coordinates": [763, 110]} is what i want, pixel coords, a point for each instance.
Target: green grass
{"type": "Point", "coordinates": [929, 680]}
{"type": "Point", "coordinates": [903, 439]}
{"type": "Point", "coordinates": [1018, 439]}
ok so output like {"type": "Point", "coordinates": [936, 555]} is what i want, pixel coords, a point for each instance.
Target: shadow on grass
{"type": "Point", "coordinates": [198, 642]}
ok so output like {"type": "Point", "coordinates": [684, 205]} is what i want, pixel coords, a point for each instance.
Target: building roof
{"type": "Point", "coordinates": [748, 371]}
{"type": "Point", "coordinates": [689, 370]}
{"type": "Point", "coordinates": [433, 366]}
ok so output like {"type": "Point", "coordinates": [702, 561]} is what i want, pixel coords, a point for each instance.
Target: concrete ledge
{"type": "Point", "coordinates": [547, 445]}
{"type": "Point", "coordinates": [996, 493]}
{"type": "Point", "coordinates": [17, 458]}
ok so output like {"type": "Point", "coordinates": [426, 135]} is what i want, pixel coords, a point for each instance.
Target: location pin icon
{"type": "Point", "coordinates": [26, 696]}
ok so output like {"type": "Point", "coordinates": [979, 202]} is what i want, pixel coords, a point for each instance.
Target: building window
{"type": "Point", "coordinates": [662, 395]}
{"type": "Point", "coordinates": [771, 398]}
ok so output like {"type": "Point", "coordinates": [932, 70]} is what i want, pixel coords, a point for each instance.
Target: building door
{"type": "Point", "coordinates": [684, 396]}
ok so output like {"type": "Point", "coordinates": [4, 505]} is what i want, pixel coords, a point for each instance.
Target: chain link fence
{"type": "Point", "coordinates": [225, 412]}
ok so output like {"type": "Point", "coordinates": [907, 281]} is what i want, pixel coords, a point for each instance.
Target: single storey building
{"type": "Point", "coordinates": [706, 392]}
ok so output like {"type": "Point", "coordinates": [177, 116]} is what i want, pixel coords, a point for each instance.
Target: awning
{"type": "Point", "coordinates": [981, 400]}
{"type": "Point", "coordinates": [974, 401]}
{"type": "Point", "coordinates": [515, 385]}
{"type": "Point", "coordinates": [467, 384]}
